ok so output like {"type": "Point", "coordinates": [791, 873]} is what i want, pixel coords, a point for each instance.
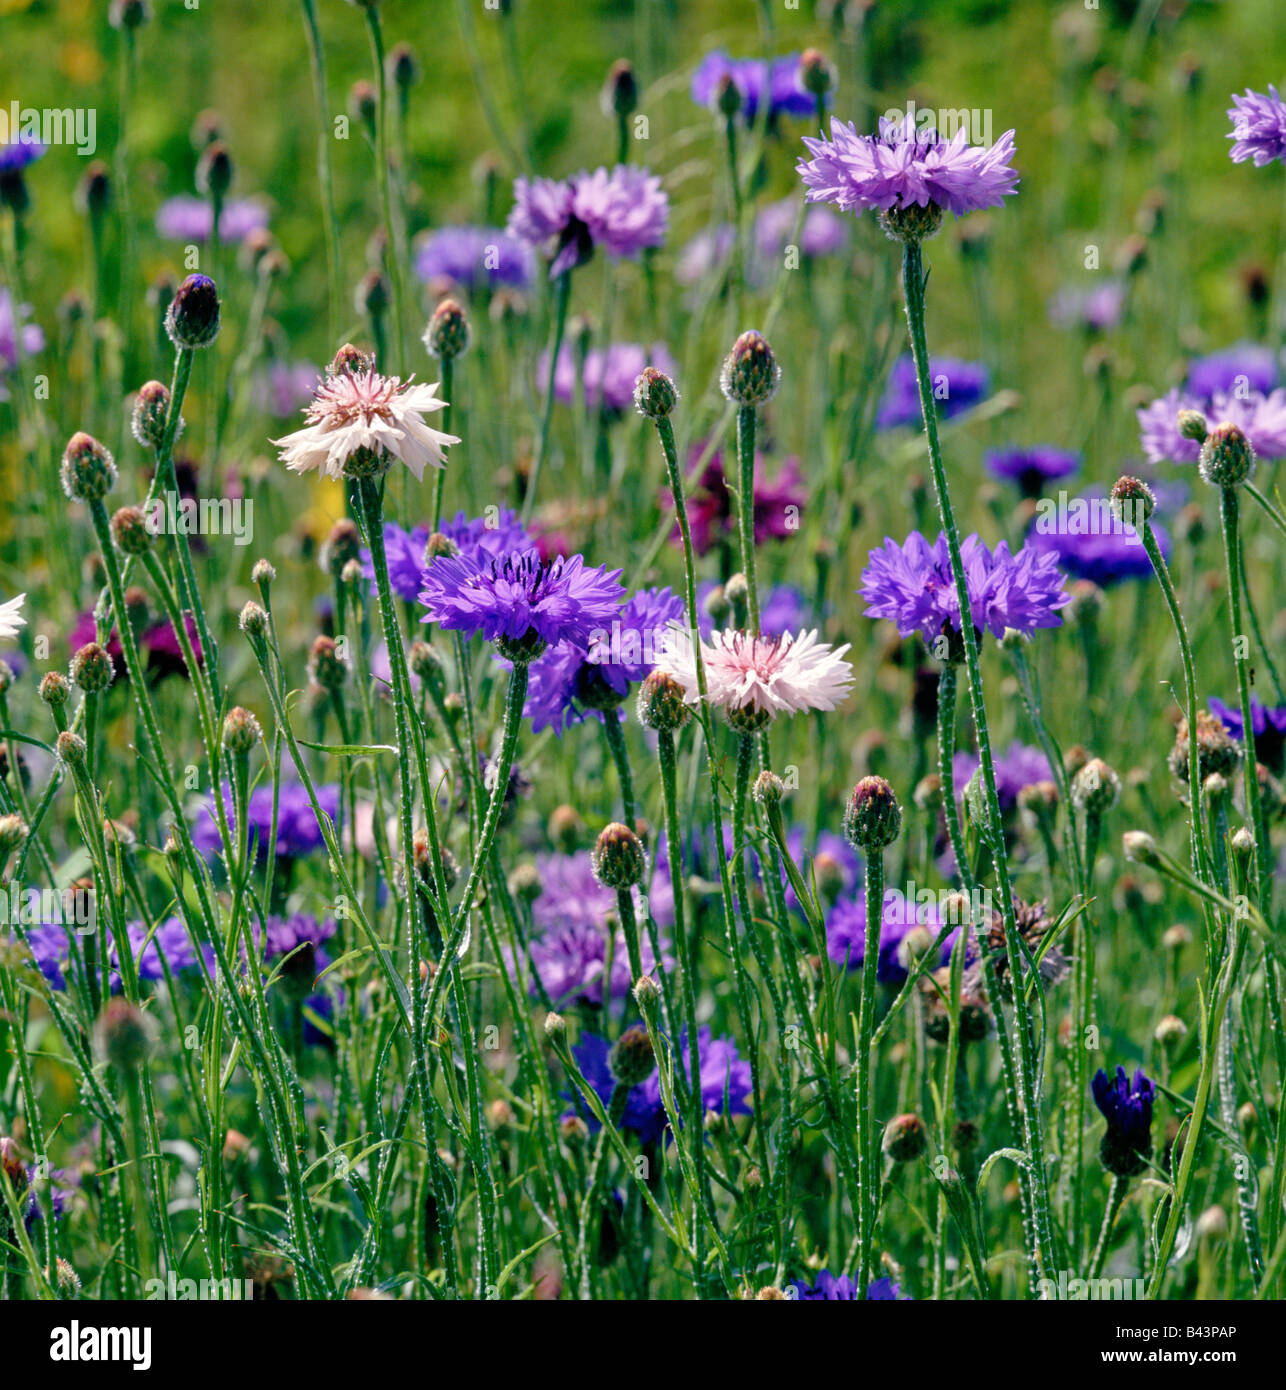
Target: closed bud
{"type": "Point", "coordinates": [618, 858]}
{"type": "Point", "coordinates": [631, 1059]}
{"type": "Point", "coordinates": [262, 575]}
{"type": "Point", "coordinates": [92, 669]}
{"type": "Point", "coordinates": [71, 749]}
{"type": "Point", "coordinates": [1192, 425]}
{"type": "Point", "coordinates": [94, 191]}
{"type": "Point", "coordinates": [130, 531]}
{"type": "Point", "coordinates": [1171, 1031]}
{"type": "Point", "coordinates": [905, 1138]}
{"type": "Point", "coordinates": [655, 394]}
{"type": "Point", "coordinates": [401, 67]}
{"type": "Point", "coordinates": [447, 335]}
{"type": "Point", "coordinates": [872, 818]}
{"type": "Point", "coordinates": [566, 828]}
{"type": "Point", "coordinates": [214, 170]}
{"type": "Point", "coordinates": [816, 75]}
{"type": "Point", "coordinates": [253, 620]}
{"type": "Point", "coordinates": [88, 471]}
{"type": "Point", "coordinates": [241, 732]}
{"type": "Point", "coordinates": [342, 545]}
{"type": "Point", "coordinates": [128, 14]}
{"type": "Point", "coordinates": [13, 831]}
{"type": "Point", "coordinates": [555, 1028]}
{"type": "Point", "coordinates": [620, 91]}
{"type": "Point", "coordinates": [751, 371]}
{"type": "Point", "coordinates": [192, 320]}
{"type": "Point", "coordinates": [1096, 788]}
{"type": "Point", "coordinates": [374, 294]}
{"type": "Point", "coordinates": [125, 1035]}
{"type": "Point", "coordinates": [768, 789]}
{"type": "Point", "coordinates": [326, 665]}
{"type": "Point", "coordinates": [1227, 457]}
{"type": "Point", "coordinates": [54, 689]}
{"type": "Point", "coordinates": [1140, 848]}
{"type": "Point", "coordinates": [1133, 501]}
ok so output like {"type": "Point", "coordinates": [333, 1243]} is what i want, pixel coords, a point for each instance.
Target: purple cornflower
{"type": "Point", "coordinates": [903, 167]}
{"type": "Point", "coordinates": [957, 386]}
{"type": "Point", "coordinates": [832, 856]}
{"type": "Point", "coordinates": [1097, 309]}
{"type": "Point", "coordinates": [777, 83]}
{"type": "Point", "coordinates": [50, 951]}
{"type": "Point", "coordinates": [476, 538]}
{"type": "Point", "coordinates": [16, 335]}
{"type": "Point", "coordinates": [842, 1289]}
{"type": "Point", "coordinates": [298, 832]}
{"type": "Point", "coordinates": [1017, 767]}
{"type": "Point", "coordinates": [782, 609]}
{"type": "Point", "coordinates": [725, 1082]}
{"type": "Point", "coordinates": [19, 154]}
{"type": "Point", "coordinates": [187, 218]}
{"type": "Point", "coordinates": [1127, 1107]}
{"type": "Point", "coordinates": [475, 258]}
{"type": "Point", "coordinates": [704, 254]}
{"type": "Point", "coordinates": [404, 551]}
{"type": "Point", "coordinates": [1258, 127]}
{"type": "Point", "coordinates": [569, 680]}
{"type": "Point", "coordinates": [520, 601]}
{"type": "Point", "coordinates": [911, 585]}
{"type": "Point", "coordinates": [846, 933]}
{"type": "Point", "coordinates": [62, 1188]}
{"type": "Point", "coordinates": [1236, 370]}
{"type": "Point", "coordinates": [1090, 542]}
{"type": "Point", "coordinates": [779, 502]}
{"type": "Point", "coordinates": [571, 896]}
{"type": "Point", "coordinates": [1032, 467]}
{"type": "Point", "coordinates": [606, 380]}
{"type": "Point", "coordinates": [571, 962]}
{"type": "Point", "coordinates": [822, 233]}
{"type": "Point", "coordinates": [170, 942]}
{"type": "Point", "coordinates": [1261, 418]}
{"type": "Point", "coordinates": [1268, 726]}
{"type": "Point", "coordinates": [283, 389]}
{"type": "Point", "coordinates": [624, 210]}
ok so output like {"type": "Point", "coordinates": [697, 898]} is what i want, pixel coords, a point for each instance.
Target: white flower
{"type": "Point", "coordinates": [11, 620]}
{"type": "Point", "coordinates": [762, 675]}
{"type": "Point", "coordinates": [354, 411]}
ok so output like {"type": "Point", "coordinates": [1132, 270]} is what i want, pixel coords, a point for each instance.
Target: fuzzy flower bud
{"type": "Point", "coordinates": [1133, 501]}
{"type": "Point", "coordinates": [621, 90]}
{"type": "Point", "coordinates": [1140, 848]}
{"type": "Point", "coordinates": [192, 320]}
{"type": "Point", "coordinates": [751, 371]}
{"type": "Point", "coordinates": [655, 394]}
{"type": "Point", "coordinates": [130, 531]}
{"type": "Point", "coordinates": [241, 731]}
{"type": "Point", "coordinates": [92, 669]}
{"type": "Point", "coordinates": [873, 818]}
{"type": "Point", "coordinates": [1171, 1031]}
{"type": "Point", "coordinates": [905, 1138]}
{"type": "Point", "coordinates": [253, 620]}
{"type": "Point", "coordinates": [125, 1035]}
{"type": "Point", "coordinates": [768, 789]}
{"type": "Point", "coordinates": [816, 75]}
{"type": "Point", "coordinates": [631, 1059]}
{"type": "Point", "coordinates": [1192, 425]}
{"type": "Point", "coordinates": [151, 409]}
{"type": "Point", "coordinates": [1227, 457]}
{"type": "Point", "coordinates": [660, 703]}
{"type": "Point", "coordinates": [326, 665]}
{"type": "Point", "coordinates": [447, 335]}
{"type": "Point", "coordinates": [619, 860]}
{"type": "Point", "coordinates": [88, 471]}
{"type": "Point", "coordinates": [555, 1028]}
{"type": "Point", "coordinates": [54, 689]}
{"type": "Point", "coordinates": [1096, 788]}
{"type": "Point", "coordinates": [13, 831]}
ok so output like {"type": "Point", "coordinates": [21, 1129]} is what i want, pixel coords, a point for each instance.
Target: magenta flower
{"type": "Point", "coordinates": [903, 166]}
{"type": "Point", "coordinates": [778, 503]}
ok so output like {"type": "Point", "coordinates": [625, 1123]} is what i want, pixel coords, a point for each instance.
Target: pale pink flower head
{"type": "Point", "coordinates": [11, 619]}
{"type": "Point", "coordinates": [754, 678]}
{"type": "Point", "coordinates": [359, 421]}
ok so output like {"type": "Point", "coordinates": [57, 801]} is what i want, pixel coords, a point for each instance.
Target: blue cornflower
{"type": "Point", "coordinates": [830, 1288]}
{"type": "Point", "coordinates": [779, 83]}
{"type": "Point", "coordinates": [1268, 726]}
{"type": "Point", "coordinates": [725, 1082]}
{"type": "Point", "coordinates": [1238, 369]}
{"type": "Point", "coordinates": [521, 602]}
{"type": "Point", "coordinates": [1033, 467]}
{"type": "Point", "coordinates": [846, 933]}
{"type": "Point", "coordinates": [1127, 1107]}
{"type": "Point", "coordinates": [17, 155]}
{"type": "Point", "coordinates": [298, 832]}
{"type": "Point", "coordinates": [957, 386]}
{"type": "Point", "coordinates": [475, 258]}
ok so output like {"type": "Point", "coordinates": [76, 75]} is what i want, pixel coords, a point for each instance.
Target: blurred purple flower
{"type": "Point", "coordinates": [957, 386]}
{"type": "Point", "coordinates": [1258, 127]}
{"type": "Point", "coordinates": [475, 258]}
{"type": "Point", "coordinates": [187, 218]}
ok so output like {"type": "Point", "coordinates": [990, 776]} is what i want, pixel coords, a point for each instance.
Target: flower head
{"type": "Point", "coordinates": [475, 258]}
{"type": "Point", "coordinates": [1033, 467]}
{"type": "Point", "coordinates": [607, 378]}
{"type": "Point", "coordinates": [957, 386]}
{"type": "Point", "coordinates": [359, 421]}
{"type": "Point", "coordinates": [903, 167]}
{"type": "Point", "coordinates": [842, 1289]}
{"type": "Point", "coordinates": [11, 619]}
{"type": "Point", "coordinates": [1267, 724]}
{"type": "Point", "coordinates": [190, 219]}
{"type": "Point", "coordinates": [1236, 370]}
{"type": "Point", "coordinates": [777, 505]}
{"type": "Point", "coordinates": [779, 84]}
{"type": "Point", "coordinates": [1258, 127]}
{"type": "Point", "coordinates": [298, 830]}
{"type": "Point", "coordinates": [1127, 1107]}
{"type": "Point", "coordinates": [846, 933]}
{"type": "Point", "coordinates": [1095, 544]}
{"type": "Point", "coordinates": [521, 601]}
{"type": "Point", "coordinates": [754, 678]}
{"type": "Point", "coordinates": [623, 210]}
{"type": "Point", "coordinates": [911, 585]}
{"type": "Point", "coordinates": [1096, 309]}
{"type": "Point", "coordinates": [1261, 418]}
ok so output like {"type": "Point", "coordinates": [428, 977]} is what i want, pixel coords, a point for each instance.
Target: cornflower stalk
{"type": "Point", "coordinates": [376, 32]}
{"type": "Point", "coordinates": [913, 280]}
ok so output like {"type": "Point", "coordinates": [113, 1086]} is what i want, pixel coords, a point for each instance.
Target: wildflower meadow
{"type": "Point", "coordinates": [642, 656]}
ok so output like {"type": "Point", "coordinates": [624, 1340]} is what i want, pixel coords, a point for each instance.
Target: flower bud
{"type": "Point", "coordinates": [646, 995]}
{"type": "Point", "coordinates": [374, 294]}
{"type": "Point", "coordinates": [13, 831]}
{"type": "Point", "coordinates": [253, 620]}
{"type": "Point", "coordinates": [401, 67]}
{"type": "Point", "coordinates": [151, 410]}
{"type": "Point", "coordinates": [727, 97]}
{"type": "Point", "coordinates": [326, 665]}
{"type": "Point", "coordinates": [447, 335]}
{"type": "Point", "coordinates": [1132, 501]}
{"type": "Point", "coordinates": [621, 90]}
{"type": "Point", "coordinates": [192, 320]}
{"type": "Point", "coordinates": [130, 531]}
{"type": "Point", "coordinates": [1171, 1031]}
{"type": "Point", "coordinates": [661, 703]}
{"type": "Point", "coordinates": [1227, 457]}
{"type": "Point", "coordinates": [94, 191]}
{"type": "Point", "coordinates": [88, 471]}
{"type": "Point", "coordinates": [1096, 788]}
{"type": "Point", "coordinates": [768, 789]}
{"type": "Point", "coordinates": [555, 1028]}
{"type": "Point", "coordinates": [905, 1138]}
{"type": "Point", "coordinates": [241, 732]}
{"type": "Point", "coordinates": [54, 689]}
{"type": "Point", "coordinates": [619, 860]}
{"type": "Point", "coordinates": [655, 394]}
{"type": "Point", "coordinates": [751, 371]}
{"type": "Point", "coordinates": [1192, 425]}
{"type": "Point", "coordinates": [816, 75]}
{"type": "Point", "coordinates": [128, 14]}
{"type": "Point", "coordinates": [873, 818]}
{"type": "Point", "coordinates": [125, 1035]}
{"type": "Point", "coordinates": [1140, 848]}
{"type": "Point", "coordinates": [631, 1059]}
{"type": "Point", "coordinates": [92, 669]}
{"type": "Point", "coordinates": [214, 170]}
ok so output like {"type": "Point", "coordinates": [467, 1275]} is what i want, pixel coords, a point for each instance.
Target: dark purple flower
{"type": "Point", "coordinates": [624, 210]}
{"type": "Point", "coordinates": [62, 1187]}
{"type": "Point", "coordinates": [911, 585]}
{"type": "Point", "coordinates": [158, 644]}
{"type": "Point", "coordinates": [475, 258]}
{"type": "Point", "coordinates": [1268, 726]}
{"type": "Point", "coordinates": [19, 154]}
{"type": "Point", "coordinates": [298, 832]}
{"type": "Point", "coordinates": [725, 1082]}
{"type": "Point", "coordinates": [1031, 467]}
{"type": "Point", "coordinates": [170, 942]}
{"type": "Point", "coordinates": [957, 387]}
{"type": "Point", "coordinates": [610, 383]}
{"type": "Point", "coordinates": [830, 1289]}
{"type": "Point", "coordinates": [1127, 1107]}
{"type": "Point", "coordinates": [571, 962]}
{"type": "Point", "coordinates": [404, 553]}
{"type": "Point", "coordinates": [846, 933]}
{"type": "Point", "coordinates": [779, 503]}
{"type": "Point", "coordinates": [1088, 541]}
{"type": "Point", "coordinates": [477, 539]}
{"type": "Point", "coordinates": [1261, 418]}
{"type": "Point", "coordinates": [904, 166]}
{"type": "Point", "coordinates": [1258, 127]}
{"type": "Point", "coordinates": [822, 232]}
{"type": "Point", "coordinates": [778, 83]}
{"type": "Point", "coordinates": [1236, 370]}
{"type": "Point", "coordinates": [187, 218]}
{"type": "Point", "coordinates": [520, 597]}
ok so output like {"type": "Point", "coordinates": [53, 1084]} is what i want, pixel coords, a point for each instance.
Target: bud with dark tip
{"type": "Point", "coordinates": [88, 471]}
{"type": "Point", "coordinates": [192, 320]}
{"type": "Point", "coordinates": [655, 394]}
{"type": "Point", "coordinates": [374, 294]}
{"type": "Point", "coordinates": [54, 689]}
{"type": "Point", "coordinates": [872, 818]}
{"type": "Point", "coordinates": [151, 409]}
{"type": "Point", "coordinates": [1227, 457]}
{"type": "Point", "coordinates": [326, 664]}
{"type": "Point", "coordinates": [241, 732]}
{"type": "Point", "coordinates": [92, 669]}
{"type": "Point", "coordinates": [621, 90]}
{"type": "Point", "coordinates": [751, 371]}
{"type": "Point", "coordinates": [1133, 502]}
{"type": "Point", "coordinates": [128, 14]}
{"type": "Point", "coordinates": [447, 335]}
{"type": "Point", "coordinates": [661, 703]}
{"type": "Point", "coordinates": [130, 531]}
{"type": "Point", "coordinates": [94, 191]}
{"type": "Point", "coordinates": [816, 75]}
{"type": "Point", "coordinates": [727, 97]}
{"type": "Point", "coordinates": [401, 67]}
{"type": "Point", "coordinates": [618, 858]}
{"type": "Point", "coordinates": [631, 1059]}
{"type": "Point", "coordinates": [125, 1035]}
{"type": "Point", "coordinates": [905, 1138]}
{"type": "Point", "coordinates": [214, 170]}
